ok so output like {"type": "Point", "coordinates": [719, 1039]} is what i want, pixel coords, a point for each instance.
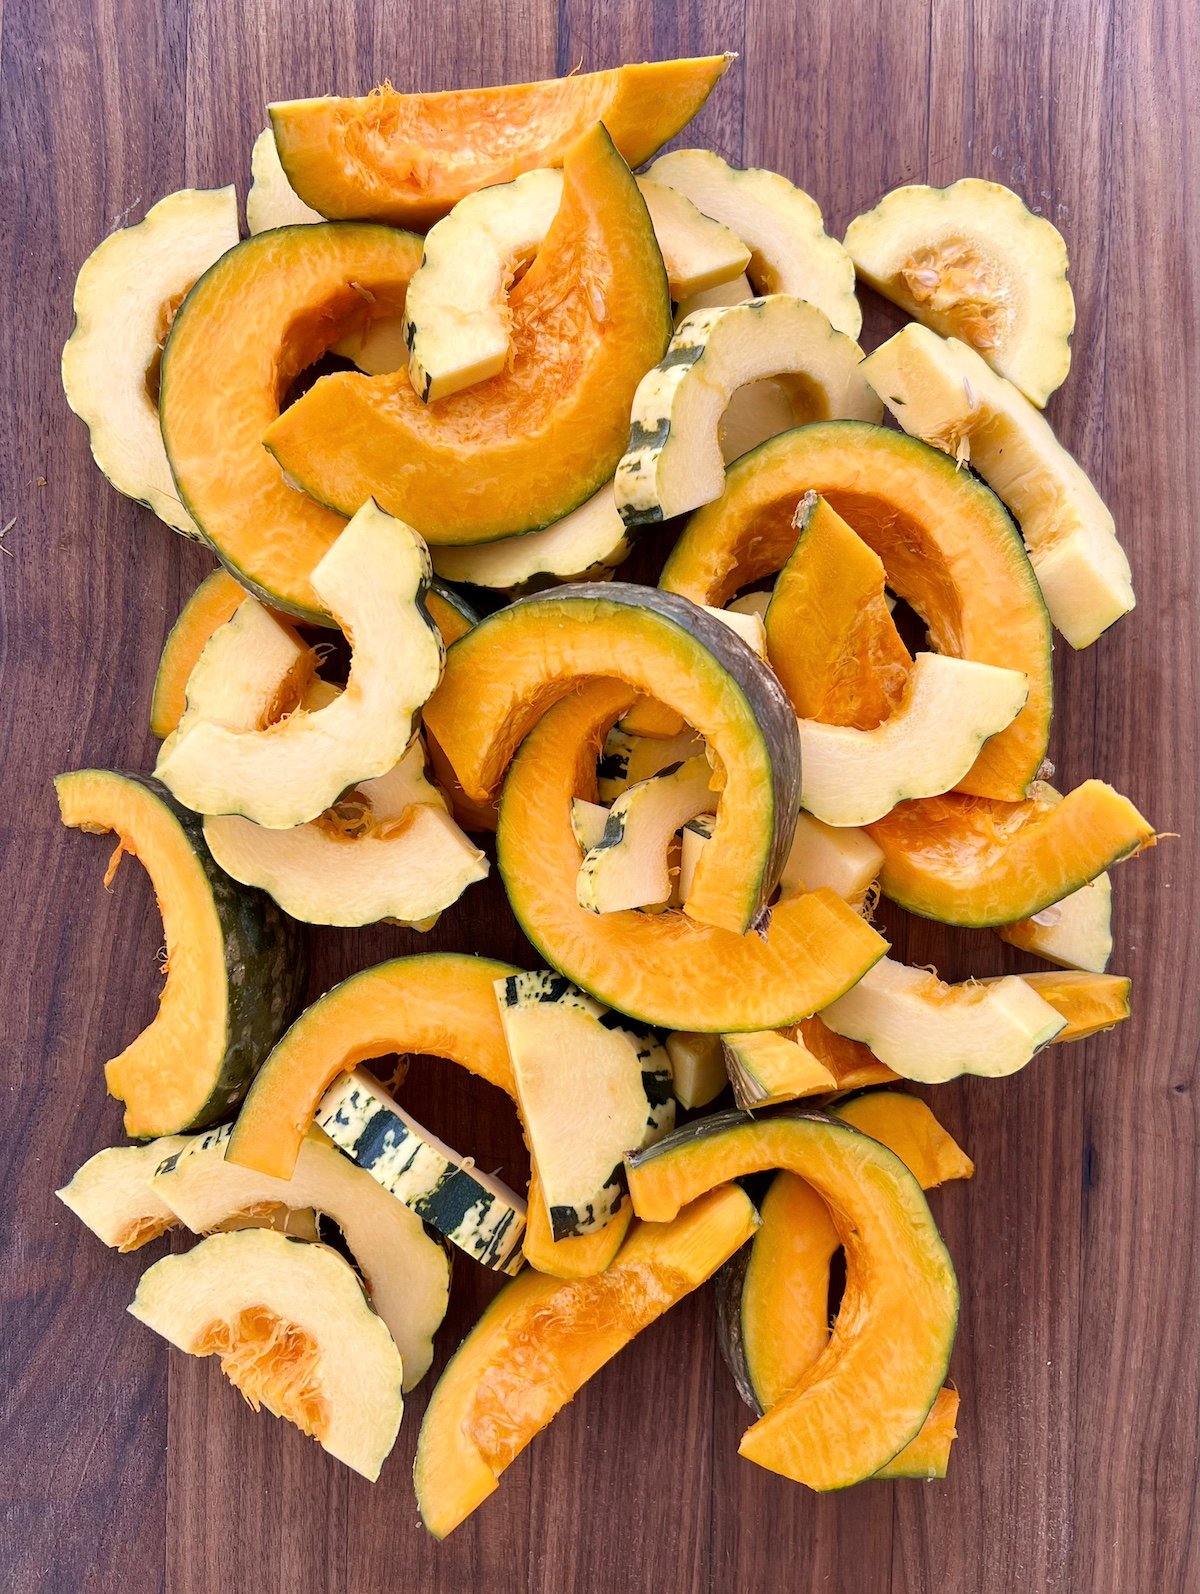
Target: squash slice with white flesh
{"type": "Point", "coordinates": [930, 740]}
{"type": "Point", "coordinates": [1087, 1003]}
{"type": "Point", "coordinates": [628, 866]}
{"type": "Point", "coordinates": [871, 1388]}
{"type": "Point", "coordinates": [473, 1209]}
{"type": "Point", "coordinates": [216, 600]}
{"type": "Point", "coordinates": [505, 673]}
{"type": "Point", "coordinates": [666, 969]}
{"type": "Point", "coordinates": [791, 251]}
{"type": "Point", "coordinates": [587, 544]}
{"type": "Point", "coordinates": [372, 579]}
{"type": "Point", "coordinates": [698, 1074]}
{"type": "Point", "coordinates": [942, 391]}
{"type": "Point", "coordinates": [407, 1274]}
{"type": "Point", "coordinates": [590, 1085]}
{"type": "Point", "coordinates": [294, 1331]}
{"type": "Point", "coordinates": [235, 967]}
{"type": "Point", "coordinates": [693, 839]}
{"type": "Point", "coordinates": [588, 318]}
{"type": "Point", "coordinates": [758, 410]}
{"type": "Point", "coordinates": [674, 461]}
{"type": "Point", "coordinates": [541, 1339]}
{"type": "Point", "coordinates": [971, 261]}
{"type": "Point", "coordinates": [926, 1030]}
{"type": "Point", "coordinates": [253, 671]}
{"type": "Point", "coordinates": [578, 1257]}
{"type": "Point", "coordinates": [112, 1193]}
{"type": "Point", "coordinates": [126, 296]}
{"type": "Point", "coordinates": [1075, 933]}
{"type": "Point", "coordinates": [843, 859]}
{"type": "Point", "coordinates": [408, 158]}
{"type": "Point", "coordinates": [627, 759]}
{"type": "Point", "coordinates": [766, 1067]}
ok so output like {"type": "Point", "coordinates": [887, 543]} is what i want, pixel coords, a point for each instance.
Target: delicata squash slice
{"type": "Point", "coordinates": [407, 158]}
{"type": "Point", "coordinates": [520, 450]}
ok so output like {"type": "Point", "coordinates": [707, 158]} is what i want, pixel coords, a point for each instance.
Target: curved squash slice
{"type": "Point", "coordinates": [503, 676]}
{"type": "Point", "coordinates": [1088, 1003]}
{"type": "Point", "coordinates": [406, 1273]}
{"type": "Point", "coordinates": [540, 1341]}
{"type": "Point", "coordinates": [579, 1256]}
{"type": "Point", "coordinates": [1075, 933]}
{"type": "Point", "coordinates": [235, 966]}
{"type": "Point", "coordinates": [407, 158]}
{"type": "Point", "coordinates": [942, 391]}
{"type": "Point", "coordinates": [767, 1067]}
{"type": "Point", "coordinates": [289, 772]}
{"type": "Point", "coordinates": [698, 1073]}
{"type": "Point", "coordinates": [947, 544]}
{"type": "Point", "coordinates": [588, 318]}
{"type": "Point", "coordinates": [627, 867]}
{"type": "Point", "coordinates": [585, 545]}
{"type": "Point", "coordinates": [870, 1389]}
{"type": "Point", "coordinates": [949, 709]}
{"type": "Point", "coordinates": [931, 1032]}
{"type": "Point", "coordinates": [126, 296]}
{"type": "Point", "coordinates": [843, 859]}
{"type": "Point", "coordinates": [928, 1455]}
{"type": "Point", "coordinates": [971, 262]}
{"type": "Point", "coordinates": [792, 253]}
{"type": "Point", "coordinates": [254, 322]}
{"type": "Point", "coordinates": [965, 860]}
{"type": "Point", "coordinates": [853, 1065]}
{"type": "Point", "coordinates": [113, 1195]}
{"type": "Point", "coordinates": [627, 759]}
{"type": "Point", "coordinates": [215, 600]}
{"type": "Point", "coordinates": [665, 969]}
{"type": "Point", "coordinates": [674, 461]}
{"type": "Point", "coordinates": [294, 1332]}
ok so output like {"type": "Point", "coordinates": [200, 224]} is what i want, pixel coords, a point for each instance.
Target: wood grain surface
{"type": "Point", "coordinates": [125, 1468]}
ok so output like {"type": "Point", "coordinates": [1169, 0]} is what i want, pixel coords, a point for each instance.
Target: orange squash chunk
{"type": "Point", "coordinates": [408, 158]}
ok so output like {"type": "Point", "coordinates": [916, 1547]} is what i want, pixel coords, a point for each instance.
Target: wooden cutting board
{"type": "Point", "coordinates": [127, 1469]}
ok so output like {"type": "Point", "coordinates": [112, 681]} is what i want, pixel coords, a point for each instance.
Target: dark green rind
{"type": "Point", "coordinates": [454, 598]}
{"type": "Point", "coordinates": [729, 1285]}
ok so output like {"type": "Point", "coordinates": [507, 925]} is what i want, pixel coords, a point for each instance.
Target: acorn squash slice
{"type": "Point", "coordinates": [507, 672]}
{"type": "Point", "coordinates": [665, 969]}
{"type": "Point", "coordinates": [540, 1341]}
{"type": "Point", "coordinates": [698, 1074]}
{"type": "Point", "coordinates": [264, 313]}
{"type": "Point", "coordinates": [1075, 933]}
{"type": "Point", "coordinates": [235, 967]}
{"type": "Point", "coordinates": [585, 545]}
{"type": "Point", "coordinates": [215, 600]}
{"type": "Point", "coordinates": [1088, 1003]}
{"type": "Point", "coordinates": [843, 859]}
{"type": "Point", "coordinates": [521, 449]}
{"type": "Point", "coordinates": [126, 296]}
{"type": "Point", "coordinates": [766, 1067]}
{"type": "Point", "coordinates": [407, 1274]}
{"type": "Point", "coordinates": [294, 1332]}
{"type": "Point", "coordinates": [870, 1389]}
{"type": "Point", "coordinates": [941, 390]}
{"type": "Point", "coordinates": [581, 1255]}
{"type": "Point", "coordinates": [627, 867]}
{"type": "Point", "coordinates": [948, 546]}
{"type": "Point", "coordinates": [674, 460]}
{"type": "Point", "coordinates": [971, 261]}
{"type": "Point", "coordinates": [291, 771]}
{"type": "Point", "coordinates": [113, 1195]}
{"type": "Point", "coordinates": [408, 158]}
{"type": "Point", "coordinates": [791, 251]}
{"type": "Point", "coordinates": [966, 860]}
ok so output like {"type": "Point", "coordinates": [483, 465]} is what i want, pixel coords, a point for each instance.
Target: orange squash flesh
{"type": "Point", "coordinates": [589, 318]}
{"type": "Point", "coordinates": [264, 313]}
{"type": "Point", "coordinates": [541, 1339]}
{"type": "Point", "coordinates": [579, 1256]}
{"type": "Point", "coordinates": [662, 968]}
{"type": "Point", "coordinates": [408, 158]}
{"type": "Point", "coordinates": [215, 600]}
{"type": "Point", "coordinates": [948, 545]}
{"type": "Point", "coordinates": [1090, 1003]}
{"type": "Point", "coordinates": [871, 1388]}
{"type": "Point", "coordinates": [967, 860]}
{"type": "Point", "coordinates": [853, 1065]}
{"type": "Point", "coordinates": [928, 1455]}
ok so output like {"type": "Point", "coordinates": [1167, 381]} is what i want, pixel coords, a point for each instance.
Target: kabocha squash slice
{"type": "Point", "coordinates": [407, 158]}
{"type": "Point", "coordinates": [294, 1331]}
{"type": "Point", "coordinates": [580, 1255]}
{"type": "Point", "coordinates": [665, 969]}
{"type": "Point", "coordinates": [698, 1074]}
{"type": "Point", "coordinates": [126, 296]}
{"type": "Point", "coordinates": [948, 546]}
{"type": "Point", "coordinates": [674, 462]}
{"type": "Point", "coordinates": [291, 771]}
{"type": "Point", "coordinates": [1075, 933]}
{"type": "Point", "coordinates": [215, 600]}
{"type": "Point", "coordinates": [515, 664]}
{"type": "Point", "coordinates": [971, 261]}
{"type": "Point", "coordinates": [540, 1341]}
{"type": "Point", "coordinates": [766, 1067]}
{"type": "Point", "coordinates": [587, 544]}
{"type": "Point", "coordinates": [871, 1388]}
{"type": "Point", "coordinates": [112, 1193]}
{"type": "Point", "coordinates": [941, 390]}
{"type": "Point", "coordinates": [628, 866]}
{"type": "Point", "coordinates": [235, 966]}
{"type": "Point", "coordinates": [522, 449]}
{"type": "Point", "coordinates": [265, 312]}
{"type": "Point", "coordinates": [406, 1273]}
{"type": "Point", "coordinates": [1088, 1003]}
{"type": "Point", "coordinates": [970, 861]}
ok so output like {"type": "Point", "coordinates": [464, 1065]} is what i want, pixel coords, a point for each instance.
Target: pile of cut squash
{"type": "Point", "coordinates": [532, 359]}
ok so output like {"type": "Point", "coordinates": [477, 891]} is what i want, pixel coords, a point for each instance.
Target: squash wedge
{"type": "Point", "coordinates": [1088, 1003]}
{"type": "Point", "coordinates": [1075, 933]}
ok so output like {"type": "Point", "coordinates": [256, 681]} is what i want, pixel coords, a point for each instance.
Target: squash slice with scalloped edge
{"type": "Point", "coordinates": [587, 544]}
{"type": "Point", "coordinates": [113, 1195]}
{"type": "Point", "coordinates": [627, 866]}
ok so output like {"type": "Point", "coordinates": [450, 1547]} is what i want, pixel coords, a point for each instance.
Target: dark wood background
{"type": "Point", "coordinates": [127, 1468]}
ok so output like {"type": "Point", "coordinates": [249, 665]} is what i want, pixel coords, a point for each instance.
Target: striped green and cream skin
{"type": "Point", "coordinates": [628, 867]}
{"type": "Point", "coordinates": [474, 1210]}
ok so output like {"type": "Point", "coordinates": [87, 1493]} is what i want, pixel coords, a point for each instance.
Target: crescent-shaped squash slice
{"type": "Point", "coordinates": [112, 1193]}
{"type": "Point", "coordinates": [263, 314]}
{"type": "Point", "coordinates": [503, 676]}
{"type": "Point", "coordinates": [627, 866]}
{"type": "Point", "coordinates": [665, 969]}
{"type": "Point", "coordinates": [540, 1341]}
{"type": "Point", "coordinates": [521, 449]}
{"type": "Point", "coordinates": [966, 860]}
{"type": "Point", "coordinates": [215, 600]}
{"type": "Point", "coordinates": [948, 547]}
{"type": "Point", "coordinates": [407, 158]}
{"type": "Point", "coordinates": [587, 544]}
{"type": "Point", "coordinates": [871, 1388]}
{"type": "Point", "coordinates": [235, 966]}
